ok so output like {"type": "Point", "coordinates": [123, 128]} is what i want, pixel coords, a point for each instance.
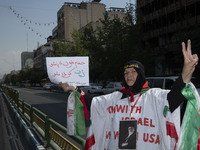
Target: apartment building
{"type": "Point", "coordinates": [26, 60]}
{"type": "Point", "coordinates": [77, 15]}
{"type": "Point", "coordinates": [73, 16]}
{"type": "Point", "coordinates": [40, 55]}
{"type": "Point", "coordinates": [162, 21]}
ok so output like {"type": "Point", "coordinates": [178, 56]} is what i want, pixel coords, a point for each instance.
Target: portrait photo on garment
{"type": "Point", "coordinates": [127, 135]}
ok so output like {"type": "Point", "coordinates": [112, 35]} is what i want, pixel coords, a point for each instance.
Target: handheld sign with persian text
{"type": "Point", "coordinates": [73, 70]}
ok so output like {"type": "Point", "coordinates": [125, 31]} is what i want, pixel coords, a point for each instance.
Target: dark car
{"type": "Point", "coordinates": [55, 88]}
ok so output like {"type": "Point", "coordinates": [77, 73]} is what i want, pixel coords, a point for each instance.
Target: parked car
{"type": "Point", "coordinates": [35, 85]}
{"type": "Point", "coordinates": [26, 83]}
{"type": "Point", "coordinates": [166, 82]}
{"type": "Point", "coordinates": [92, 88]}
{"type": "Point", "coordinates": [55, 88]}
{"type": "Point", "coordinates": [111, 87]}
{"type": "Point", "coordinates": [47, 86]}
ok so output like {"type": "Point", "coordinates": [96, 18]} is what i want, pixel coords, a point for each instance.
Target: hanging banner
{"type": "Point", "coordinates": [73, 70]}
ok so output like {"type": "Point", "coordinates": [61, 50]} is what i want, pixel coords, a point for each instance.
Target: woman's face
{"type": "Point", "coordinates": [130, 75]}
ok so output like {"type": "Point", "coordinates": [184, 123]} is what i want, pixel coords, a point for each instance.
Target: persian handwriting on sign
{"type": "Point", "coordinates": [56, 74]}
{"type": "Point", "coordinates": [67, 75]}
{"type": "Point", "coordinates": [66, 64]}
{"type": "Point", "coordinates": [72, 65]}
{"type": "Point", "coordinates": [68, 69]}
{"type": "Point", "coordinates": [80, 73]}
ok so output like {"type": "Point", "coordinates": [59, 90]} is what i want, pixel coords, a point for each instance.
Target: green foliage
{"type": "Point", "coordinates": [109, 45]}
{"type": "Point", "coordinates": [31, 74]}
{"type": "Point", "coordinates": [60, 48]}
{"type": "Point", "coordinates": [77, 46]}
{"type": "Point", "coordinates": [117, 41]}
{"type": "Point", "coordinates": [70, 48]}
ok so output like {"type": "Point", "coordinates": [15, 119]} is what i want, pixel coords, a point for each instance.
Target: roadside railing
{"type": "Point", "coordinates": [46, 127]}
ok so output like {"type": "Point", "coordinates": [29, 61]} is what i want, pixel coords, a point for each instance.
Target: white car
{"type": "Point", "coordinates": [163, 82]}
{"type": "Point", "coordinates": [47, 86]}
{"type": "Point", "coordinates": [166, 82]}
{"type": "Point", "coordinates": [111, 87]}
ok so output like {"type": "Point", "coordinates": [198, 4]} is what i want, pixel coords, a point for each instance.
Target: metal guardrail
{"type": "Point", "coordinates": [25, 130]}
{"type": "Point", "coordinates": [42, 123]}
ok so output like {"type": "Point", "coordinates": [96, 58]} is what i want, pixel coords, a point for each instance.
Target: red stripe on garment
{"type": "Point", "coordinates": [89, 142]}
{"type": "Point", "coordinates": [145, 85]}
{"type": "Point", "coordinates": [171, 131]}
{"type": "Point", "coordinates": [123, 89]}
{"type": "Point", "coordinates": [198, 146]}
{"type": "Point", "coordinates": [132, 94]}
{"type": "Point", "coordinates": [85, 107]}
{"type": "Point", "coordinates": [132, 97]}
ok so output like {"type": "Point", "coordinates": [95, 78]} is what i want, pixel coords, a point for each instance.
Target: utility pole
{"type": "Point", "coordinates": [27, 40]}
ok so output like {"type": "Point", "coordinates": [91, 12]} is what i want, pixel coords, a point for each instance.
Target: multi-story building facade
{"type": "Point", "coordinates": [77, 15]}
{"type": "Point", "coordinates": [26, 60]}
{"type": "Point", "coordinates": [73, 16]}
{"type": "Point", "coordinates": [40, 55]}
{"type": "Point", "coordinates": [163, 20]}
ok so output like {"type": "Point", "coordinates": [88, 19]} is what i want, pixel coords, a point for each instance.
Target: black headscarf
{"type": "Point", "coordinates": [137, 86]}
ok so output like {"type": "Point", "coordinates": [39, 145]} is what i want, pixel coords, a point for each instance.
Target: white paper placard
{"type": "Point", "coordinates": [73, 70]}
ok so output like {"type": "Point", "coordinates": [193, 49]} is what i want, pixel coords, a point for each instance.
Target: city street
{"type": "Point", "coordinates": [53, 104]}
{"type": "Point", "coordinates": [139, 57]}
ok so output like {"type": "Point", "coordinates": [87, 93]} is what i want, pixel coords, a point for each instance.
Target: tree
{"type": "Point", "coordinates": [36, 75]}
{"type": "Point", "coordinates": [91, 42]}
{"type": "Point", "coordinates": [60, 48]}
{"type": "Point", "coordinates": [77, 45]}
{"type": "Point", "coordinates": [108, 45]}
{"type": "Point", "coordinates": [121, 41]}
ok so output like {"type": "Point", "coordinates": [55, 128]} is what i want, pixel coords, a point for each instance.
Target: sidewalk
{"type": "Point", "coordinates": [9, 137]}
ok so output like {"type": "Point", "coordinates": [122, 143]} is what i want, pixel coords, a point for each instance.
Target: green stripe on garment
{"type": "Point", "coordinates": [144, 90]}
{"type": "Point", "coordinates": [165, 110]}
{"type": "Point", "coordinates": [79, 115]}
{"type": "Point", "coordinates": [191, 121]}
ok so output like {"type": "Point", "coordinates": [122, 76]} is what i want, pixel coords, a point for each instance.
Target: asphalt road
{"type": "Point", "coordinates": [53, 104]}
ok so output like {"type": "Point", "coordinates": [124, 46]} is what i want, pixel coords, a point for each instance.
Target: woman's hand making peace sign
{"type": "Point", "coordinates": [190, 61]}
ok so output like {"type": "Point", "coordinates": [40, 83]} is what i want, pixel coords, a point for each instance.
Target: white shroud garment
{"type": "Point", "coordinates": [108, 110]}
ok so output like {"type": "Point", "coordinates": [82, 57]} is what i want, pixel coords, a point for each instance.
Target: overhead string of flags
{"type": "Point", "coordinates": [27, 21]}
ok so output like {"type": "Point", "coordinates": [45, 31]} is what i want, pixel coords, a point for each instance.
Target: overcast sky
{"type": "Point", "coordinates": [25, 24]}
